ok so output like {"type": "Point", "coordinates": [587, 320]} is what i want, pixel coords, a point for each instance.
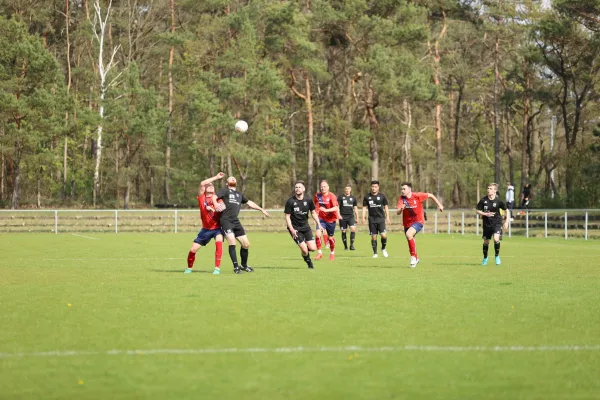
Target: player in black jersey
{"type": "Point", "coordinates": [348, 216]}
{"type": "Point", "coordinates": [231, 225]}
{"type": "Point", "coordinates": [379, 214]}
{"type": "Point", "coordinates": [296, 213]}
{"type": "Point", "coordinates": [489, 208]}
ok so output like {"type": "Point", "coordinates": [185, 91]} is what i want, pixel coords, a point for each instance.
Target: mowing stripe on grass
{"type": "Point", "coordinates": [86, 237]}
{"type": "Point", "coordinates": [341, 349]}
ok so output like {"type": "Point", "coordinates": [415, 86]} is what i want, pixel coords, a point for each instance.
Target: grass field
{"type": "Point", "coordinates": [114, 317]}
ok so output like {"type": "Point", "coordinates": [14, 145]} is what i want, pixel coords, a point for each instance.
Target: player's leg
{"type": "Point", "coordinates": [306, 245]}
{"type": "Point", "coordinates": [192, 257]}
{"type": "Point", "coordinates": [486, 245]}
{"type": "Point", "coordinates": [383, 232]}
{"type": "Point", "coordinates": [319, 241]}
{"type": "Point", "coordinates": [497, 247]}
{"type": "Point", "coordinates": [412, 245]}
{"type": "Point", "coordinates": [373, 233]}
{"type": "Point", "coordinates": [227, 228]}
{"type": "Point", "coordinates": [331, 232]}
{"type": "Point", "coordinates": [218, 253]}
{"type": "Point", "coordinates": [325, 233]}
{"type": "Point", "coordinates": [245, 243]}
{"type": "Point", "coordinates": [343, 228]}
{"type": "Point", "coordinates": [352, 235]}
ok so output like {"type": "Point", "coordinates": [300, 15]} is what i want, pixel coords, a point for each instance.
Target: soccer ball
{"type": "Point", "coordinates": [241, 126]}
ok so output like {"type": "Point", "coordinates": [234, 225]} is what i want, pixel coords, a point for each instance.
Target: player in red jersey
{"type": "Point", "coordinates": [413, 218]}
{"type": "Point", "coordinates": [328, 209]}
{"type": "Point", "coordinates": [211, 227]}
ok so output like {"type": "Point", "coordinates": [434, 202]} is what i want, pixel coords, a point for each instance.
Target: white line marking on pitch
{"type": "Point", "coordinates": [342, 349]}
{"type": "Point", "coordinates": [87, 237]}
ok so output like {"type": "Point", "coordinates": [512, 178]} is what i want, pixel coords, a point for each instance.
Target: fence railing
{"type": "Point", "coordinates": [533, 223]}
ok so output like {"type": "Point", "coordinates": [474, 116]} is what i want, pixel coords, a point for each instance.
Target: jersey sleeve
{"type": "Point", "coordinates": [421, 197]}
{"type": "Point", "coordinates": [221, 193]}
{"type": "Point", "coordinates": [311, 205]}
{"type": "Point", "coordinates": [288, 207]}
{"type": "Point", "coordinates": [354, 202]}
{"type": "Point", "coordinates": [244, 199]}
{"type": "Point", "coordinates": [400, 202]}
{"type": "Point", "coordinates": [384, 201]}
{"type": "Point", "coordinates": [479, 205]}
{"type": "Point", "coordinates": [502, 205]}
{"type": "Point", "coordinates": [334, 202]}
{"type": "Point", "coordinates": [365, 201]}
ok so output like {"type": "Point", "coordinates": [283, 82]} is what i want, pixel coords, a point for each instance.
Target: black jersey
{"type": "Point", "coordinates": [347, 204]}
{"type": "Point", "coordinates": [298, 211]}
{"type": "Point", "coordinates": [376, 204]}
{"type": "Point", "coordinates": [233, 203]}
{"type": "Point", "coordinates": [494, 205]}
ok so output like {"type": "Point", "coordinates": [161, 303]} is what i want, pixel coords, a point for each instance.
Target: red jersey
{"type": "Point", "coordinates": [210, 219]}
{"type": "Point", "coordinates": [326, 201]}
{"type": "Point", "coordinates": [413, 211]}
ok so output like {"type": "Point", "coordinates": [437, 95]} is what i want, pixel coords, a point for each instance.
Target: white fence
{"type": "Point", "coordinates": [534, 223]}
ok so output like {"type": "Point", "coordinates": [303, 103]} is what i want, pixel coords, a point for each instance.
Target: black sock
{"type": "Point", "coordinates": [352, 236]}
{"type": "Point", "coordinates": [374, 245]}
{"type": "Point", "coordinates": [383, 242]}
{"type": "Point", "coordinates": [345, 239]}
{"type": "Point", "coordinates": [485, 250]}
{"type": "Point", "coordinates": [233, 255]}
{"type": "Point", "coordinates": [244, 256]}
{"type": "Point", "coordinates": [307, 260]}
{"type": "Point", "coordinates": [497, 248]}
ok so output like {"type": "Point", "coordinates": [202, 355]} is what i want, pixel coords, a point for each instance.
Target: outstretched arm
{"type": "Point", "coordinates": [205, 182]}
{"type": "Point", "coordinates": [255, 206]}
{"type": "Point", "coordinates": [432, 197]}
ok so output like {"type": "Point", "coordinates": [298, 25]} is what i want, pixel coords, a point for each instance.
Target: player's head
{"type": "Point", "coordinates": [374, 187]}
{"type": "Point", "coordinates": [348, 190]}
{"type": "Point", "coordinates": [508, 184]}
{"type": "Point", "coordinates": [406, 188]}
{"type": "Point", "coordinates": [209, 189]}
{"type": "Point", "coordinates": [492, 188]}
{"type": "Point", "coordinates": [324, 186]}
{"type": "Point", "coordinates": [231, 182]}
{"type": "Point", "coordinates": [299, 188]}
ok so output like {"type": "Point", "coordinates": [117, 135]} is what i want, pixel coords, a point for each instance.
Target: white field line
{"type": "Point", "coordinates": [340, 349]}
{"type": "Point", "coordinates": [83, 236]}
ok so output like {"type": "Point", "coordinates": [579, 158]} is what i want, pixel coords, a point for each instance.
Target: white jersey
{"type": "Point", "coordinates": [510, 194]}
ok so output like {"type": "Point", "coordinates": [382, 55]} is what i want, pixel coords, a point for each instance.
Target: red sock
{"type": "Point", "coordinates": [191, 259]}
{"type": "Point", "coordinates": [412, 247]}
{"type": "Point", "coordinates": [218, 253]}
{"type": "Point", "coordinates": [331, 243]}
{"type": "Point", "coordinates": [318, 243]}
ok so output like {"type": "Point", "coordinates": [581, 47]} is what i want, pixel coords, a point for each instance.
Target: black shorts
{"type": "Point", "coordinates": [347, 221]}
{"type": "Point", "coordinates": [490, 231]}
{"type": "Point", "coordinates": [376, 227]}
{"type": "Point", "coordinates": [302, 236]}
{"type": "Point", "coordinates": [234, 227]}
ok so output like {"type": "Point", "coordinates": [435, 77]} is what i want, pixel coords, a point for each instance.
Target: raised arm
{"type": "Point", "coordinates": [205, 182]}
{"type": "Point", "coordinates": [432, 197]}
{"type": "Point", "coordinates": [255, 206]}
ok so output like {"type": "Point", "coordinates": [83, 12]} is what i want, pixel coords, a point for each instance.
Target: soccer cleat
{"type": "Point", "coordinates": [498, 260]}
{"type": "Point", "coordinates": [237, 270]}
{"type": "Point", "coordinates": [311, 266]}
{"type": "Point", "coordinates": [352, 248]}
{"type": "Point", "coordinates": [345, 247]}
{"type": "Point", "coordinates": [484, 262]}
{"type": "Point", "coordinates": [247, 268]}
{"type": "Point", "coordinates": [414, 261]}
{"type": "Point", "coordinates": [187, 271]}
{"type": "Point", "coordinates": [375, 255]}
{"type": "Point", "coordinates": [319, 256]}
{"type": "Point", "coordinates": [217, 271]}
{"type": "Point", "coordinates": [331, 257]}
{"type": "Point", "coordinates": [385, 253]}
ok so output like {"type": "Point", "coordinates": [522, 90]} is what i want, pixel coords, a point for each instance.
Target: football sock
{"type": "Point", "coordinates": [352, 236]}
{"type": "Point", "coordinates": [191, 259]}
{"type": "Point", "coordinates": [244, 256]}
{"type": "Point", "coordinates": [345, 239]}
{"type": "Point", "coordinates": [374, 245]}
{"type": "Point", "coordinates": [218, 253]}
{"type": "Point", "coordinates": [485, 250]}
{"type": "Point", "coordinates": [307, 260]}
{"type": "Point", "coordinates": [233, 255]}
{"type": "Point", "coordinates": [412, 247]}
{"type": "Point", "coordinates": [383, 243]}
{"type": "Point", "coordinates": [318, 240]}
{"type": "Point", "coordinates": [497, 248]}
{"type": "Point", "coordinates": [331, 244]}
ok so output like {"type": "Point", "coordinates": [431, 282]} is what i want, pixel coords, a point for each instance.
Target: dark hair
{"type": "Point", "coordinates": [406, 184]}
{"type": "Point", "coordinates": [297, 182]}
{"type": "Point", "coordinates": [348, 185]}
{"type": "Point", "coordinates": [375, 182]}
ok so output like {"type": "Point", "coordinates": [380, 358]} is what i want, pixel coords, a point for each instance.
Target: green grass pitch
{"type": "Point", "coordinates": [75, 309]}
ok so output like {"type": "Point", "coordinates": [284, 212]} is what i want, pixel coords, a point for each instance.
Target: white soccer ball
{"type": "Point", "coordinates": [241, 126]}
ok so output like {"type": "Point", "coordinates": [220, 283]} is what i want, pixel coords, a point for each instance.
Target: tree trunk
{"type": "Point", "coordinates": [370, 104]}
{"type": "Point", "coordinates": [16, 175]}
{"type": "Point", "coordinates": [170, 119]}
{"type": "Point", "coordinates": [309, 116]}
{"type": "Point", "coordinates": [438, 107]}
{"type": "Point", "coordinates": [508, 141]}
{"type": "Point", "coordinates": [2, 169]}
{"type": "Point", "coordinates": [407, 145]}
{"type": "Point", "coordinates": [457, 120]}
{"type": "Point", "coordinates": [496, 111]}
{"type": "Point", "coordinates": [99, 146]}
{"type": "Point", "coordinates": [525, 132]}
{"type": "Point", "coordinates": [293, 160]}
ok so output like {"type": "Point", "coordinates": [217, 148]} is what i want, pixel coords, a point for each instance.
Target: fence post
{"type": "Point", "coordinates": [435, 228]}
{"type": "Point", "coordinates": [546, 224]}
{"type": "Point", "coordinates": [463, 223]}
{"type": "Point", "coordinates": [586, 225]}
{"type": "Point", "coordinates": [176, 221]}
{"type": "Point", "coordinates": [566, 227]}
{"type": "Point", "coordinates": [116, 221]}
{"type": "Point", "coordinates": [56, 222]}
{"type": "Point", "coordinates": [449, 231]}
{"type": "Point", "coordinates": [477, 224]}
{"type": "Point", "coordinates": [527, 224]}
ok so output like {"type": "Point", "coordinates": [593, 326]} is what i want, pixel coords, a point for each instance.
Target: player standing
{"type": "Point", "coordinates": [231, 225]}
{"type": "Point", "coordinates": [489, 208]}
{"type": "Point", "coordinates": [327, 207]}
{"type": "Point", "coordinates": [379, 214]}
{"type": "Point", "coordinates": [348, 216]}
{"type": "Point", "coordinates": [413, 216]}
{"type": "Point", "coordinates": [296, 212]}
{"type": "Point", "coordinates": [209, 214]}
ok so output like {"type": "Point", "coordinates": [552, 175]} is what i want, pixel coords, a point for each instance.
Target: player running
{"type": "Point", "coordinates": [211, 228]}
{"type": "Point", "coordinates": [231, 225]}
{"type": "Point", "coordinates": [413, 218]}
{"type": "Point", "coordinates": [489, 208]}
{"type": "Point", "coordinates": [379, 214]}
{"type": "Point", "coordinates": [327, 207]}
{"type": "Point", "coordinates": [296, 213]}
{"type": "Point", "coordinates": [348, 216]}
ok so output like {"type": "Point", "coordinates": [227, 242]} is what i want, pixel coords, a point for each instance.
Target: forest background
{"type": "Point", "coordinates": [131, 103]}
